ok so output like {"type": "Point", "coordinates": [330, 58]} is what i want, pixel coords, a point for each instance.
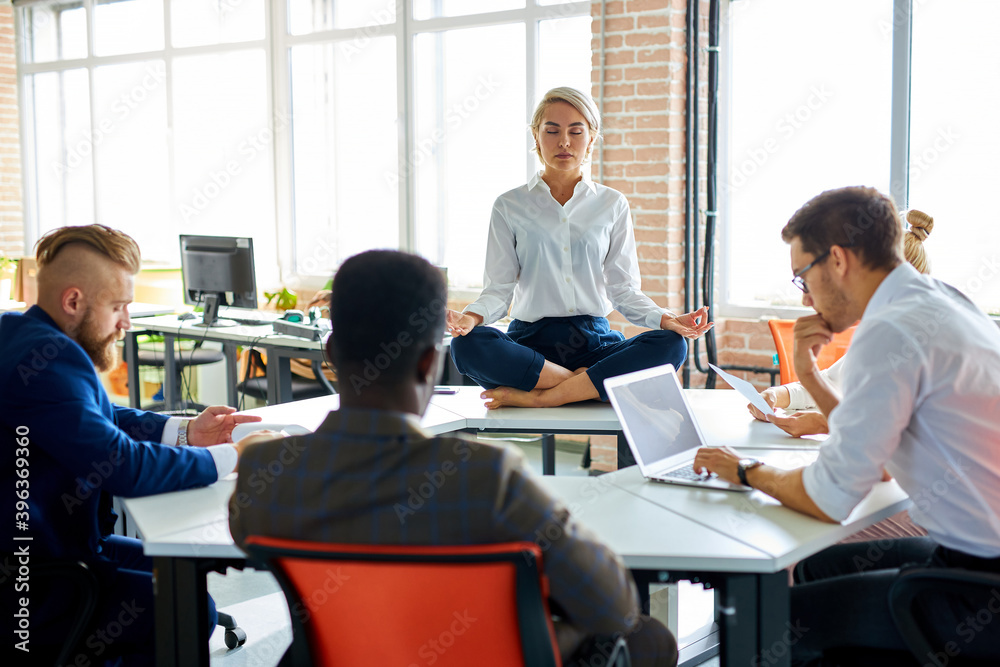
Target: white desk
{"type": "Point", "coordinates": [588, 417]}
{"type": "Point", "coordinates": [738, 543]}
{"type": "Point", "coordinates": [279, 349]}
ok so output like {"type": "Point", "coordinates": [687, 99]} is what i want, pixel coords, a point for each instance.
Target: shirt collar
{"type": "Point", "coordinates": [536, 179]}
{"type": "Point", "coordinates": [891, 286]}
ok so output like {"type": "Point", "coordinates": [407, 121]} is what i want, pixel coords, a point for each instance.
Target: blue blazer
{"type": "Point", "coordinates": [77, 448]}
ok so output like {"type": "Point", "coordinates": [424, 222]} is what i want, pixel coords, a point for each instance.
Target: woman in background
{"type": "Point", "coordinates": [560, 257]}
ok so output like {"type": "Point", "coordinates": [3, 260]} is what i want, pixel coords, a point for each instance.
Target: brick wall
{"type": "Point", "coordinates": [11, 218]}
{"type": "Point", "coordinates": [645, 92]}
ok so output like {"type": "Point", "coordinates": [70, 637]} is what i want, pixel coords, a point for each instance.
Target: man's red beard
{"type": "Point", "coordinates": [102, 351]}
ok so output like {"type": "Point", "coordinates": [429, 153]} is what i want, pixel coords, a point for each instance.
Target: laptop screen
{"type": "Point", "coordinates": [653, 413]}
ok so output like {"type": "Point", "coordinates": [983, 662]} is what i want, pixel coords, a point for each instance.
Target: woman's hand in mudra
{"type": "Point", "coordinates": [689, 325]}
{"type": "Point", "coordinates": [459, 324]}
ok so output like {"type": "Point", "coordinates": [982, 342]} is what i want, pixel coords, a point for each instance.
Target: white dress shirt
{"type": "Point", "coordinates": [800, 399]}
{"type": "Point", "coordinates": [922, 399]}
{"type": "Point", "coordinates": [562, 261]}
{"type": "Point", "coordinates": [224, 456]}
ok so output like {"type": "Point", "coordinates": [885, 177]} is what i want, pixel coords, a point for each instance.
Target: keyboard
{"type": "Point", "coordinates": [250, 318]}
{"type": "Point", "coordinates": [684, 473]}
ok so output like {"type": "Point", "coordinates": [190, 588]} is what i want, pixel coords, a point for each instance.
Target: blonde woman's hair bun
{"type": "Point", "coordinates": [921, 225]}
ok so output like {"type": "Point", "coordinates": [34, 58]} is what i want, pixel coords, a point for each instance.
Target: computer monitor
{"type": "Point", "coordinates": [218, 271]}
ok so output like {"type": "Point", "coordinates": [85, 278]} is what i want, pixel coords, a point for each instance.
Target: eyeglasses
{"type": "Point", "coordinates": [797, 279]}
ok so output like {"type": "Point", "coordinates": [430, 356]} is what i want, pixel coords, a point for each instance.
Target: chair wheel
{"type": "Point", "coordinates": [235, 637]}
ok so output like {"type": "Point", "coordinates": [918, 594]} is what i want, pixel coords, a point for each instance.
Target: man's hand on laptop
{"type": "Point", "coordinates": [723, 461]}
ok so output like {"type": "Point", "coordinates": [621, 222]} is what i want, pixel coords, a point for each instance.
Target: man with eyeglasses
{"type": "Point", "coordinates": [921, 403]}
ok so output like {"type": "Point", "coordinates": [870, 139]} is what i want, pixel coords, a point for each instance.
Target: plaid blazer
{"type": "Point", "coordinates": [374, 477]}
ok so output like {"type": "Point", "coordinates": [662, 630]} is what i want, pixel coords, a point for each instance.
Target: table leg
{"type": "Point", "coordinates": [181, 592]}
{"type": "Point", "coordinates": [279, 378]}
{"type": "Point", "coordinates": [625, 458]}
{"type": "Point", "coordinates": [753, 617]}
{"type": "Point", "coordinates": [132, 362]}
{"type": "Point", "coordinates": [232, 376]}
{"type": "Point", "coordinates": [171, 392]}
{"type": "Point", "coordinates": [548, 454]}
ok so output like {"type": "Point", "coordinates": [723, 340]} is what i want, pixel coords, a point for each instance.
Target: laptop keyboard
{"type": "Point", "coordinates": [686, 473]}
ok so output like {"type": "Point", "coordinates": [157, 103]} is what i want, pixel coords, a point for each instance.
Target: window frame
{"type": "Point", "coordinates": [902, 37]}
{"type": "Point", "coordinates": [277, 42]}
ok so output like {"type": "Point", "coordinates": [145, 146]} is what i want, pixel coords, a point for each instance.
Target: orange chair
{"type": "Point", "coordinates": [784, 339]}
{"type": "Point", "coordinates": [401, 605]}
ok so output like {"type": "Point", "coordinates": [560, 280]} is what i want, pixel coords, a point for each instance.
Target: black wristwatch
{"type": "Point", "coordinates": [743, 466]}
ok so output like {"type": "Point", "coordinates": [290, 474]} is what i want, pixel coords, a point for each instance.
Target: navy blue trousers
{"type": "Point", "coordinates": [515, 359]}
{"type": "Point", "coordinates": [125, 622]}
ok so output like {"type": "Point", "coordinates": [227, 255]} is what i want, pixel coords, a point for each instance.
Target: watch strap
{"type": "Point", "coordinates": [743, 466]}
{"type": "Point", "coordinates": [182, 433]}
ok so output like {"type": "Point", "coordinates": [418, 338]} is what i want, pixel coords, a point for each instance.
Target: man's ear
{"type": "Point", "coordinates": [841, 259]}
{"type": "Point", "coordinates": [429, 365]}
{"type": "Point", "coordinates": [72, 301]}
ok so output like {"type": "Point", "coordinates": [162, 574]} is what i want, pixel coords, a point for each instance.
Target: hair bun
{"type": "Point", "coordinates": [920, 223]}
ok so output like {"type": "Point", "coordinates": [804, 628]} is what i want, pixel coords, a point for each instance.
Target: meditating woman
{"type": "Point", "coordinates": [560, 257]}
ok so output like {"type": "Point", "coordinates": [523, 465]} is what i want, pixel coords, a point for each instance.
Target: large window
{"type": "Point", "coordinates": [343, 125]}
{"type": "Point", "coordinates": [819, 98]}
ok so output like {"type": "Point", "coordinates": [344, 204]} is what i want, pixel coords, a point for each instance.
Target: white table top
{"type": "Point", "coordinates": [257, 335]}
{"type": "Point", "coordinates": [311, 412]}
{"type": "Point", "coordinates": [139, 309]}
{"type": "Point", "coordinates": [651, 525]}
{"type": "Point", "coordinates": [587, 417]}
{"type": "Point", "coordinates": [724, 420]}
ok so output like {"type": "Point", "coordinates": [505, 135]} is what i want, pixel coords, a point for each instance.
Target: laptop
{"type": "Point", "coordinates": [660, 427]}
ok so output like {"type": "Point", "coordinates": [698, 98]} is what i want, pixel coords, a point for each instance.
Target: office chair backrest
{"type": "Point", "coordinates": [917, 589]}
{"type": "Point", "coordinates": [401, 605]}
{"type": "Point", "coordinates": [784, 342]}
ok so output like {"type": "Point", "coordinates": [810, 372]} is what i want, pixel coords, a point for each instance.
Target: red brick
{"type": "Point", "coordinates": [654, 236]}
{"type": "Point", "coordinates": [646, 187]}
{"type": "Point", "coordinates": [612, 58]}
{"type": "Point", "coordinates": [618, 24]}
{"type": "Point", "coordinates": [647, 73]}
{"type": "Point", "coordinates": [654, 21]}
{"type": "Point", "coordinates": [619, 154]}
{"type": "Point", "coordinates": [647, 5]}
{"type": "Point", "coordinates": [650, 154]}
{"type": "Point", "coordinates": [619, 90]}
{"type": "Point", "coordinates": [646, 169]}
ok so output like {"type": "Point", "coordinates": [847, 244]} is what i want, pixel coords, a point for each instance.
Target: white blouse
{"type": "Point", "coordinates": [562, 261]}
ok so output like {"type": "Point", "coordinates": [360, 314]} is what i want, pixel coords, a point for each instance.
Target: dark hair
{"type": "Point", "coordinates": [386, 309]}
{"type": "Point", "coordinates": [856, 217]}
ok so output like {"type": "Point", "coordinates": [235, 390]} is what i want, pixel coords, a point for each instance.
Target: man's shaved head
{"type": "Point", "coordinates": [85, 283]}
{"type": "Point", "coordinates": [79, 257]}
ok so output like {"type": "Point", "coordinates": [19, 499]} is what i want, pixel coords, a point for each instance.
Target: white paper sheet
{"type": "Point", "coordinates": [748, 390]}
{"type": "Point", "coordinates": [242, 430]}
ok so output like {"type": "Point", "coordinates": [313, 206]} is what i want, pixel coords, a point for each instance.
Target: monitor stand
{"type": "Point", "coordinates": [211, 314]}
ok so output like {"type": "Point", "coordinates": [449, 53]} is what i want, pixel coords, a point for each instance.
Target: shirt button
{"type": "Point", "coordinates": [572, 310]}
{"type": "Point", "coordinates": [567, 279]}
{"type": "Point", "coordinates": [566, 248]}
